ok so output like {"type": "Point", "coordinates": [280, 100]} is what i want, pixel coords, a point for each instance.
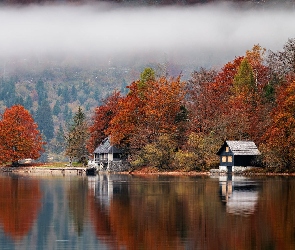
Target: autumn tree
{"type": "Point", "coordinates": [282, 63]}
{"type": "Point", "coordinates": [76, 138]}
{"type": "Point", "coordinates": [148, 74]}
{"type": "Point", "coordinates": [19, 134]}
{"type": "Point", "coordinates": [151, 109]}
{"type": "Point", "coordinates": [241, 103]}
{"type": "Point", "coordinates": [199, 99]}
{"type": "Point", "coordinates": [244, 80]}
{"type": "Point", "coordinates": [208, 94]}
{"type": "Point", "coordinates": [249, 106]}
{"type": "Point", "coordinates": [101, 119]}
{"type": "Point", "coordinates": [279, 146]}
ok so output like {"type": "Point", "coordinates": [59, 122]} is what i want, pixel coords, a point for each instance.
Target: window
{"type": "Point", "coordinates": [230, 158]}
{"type": "Point", "coordinates": [227, 149]}
{"type": "Point", "coordinates": [223, 158]}
{"type": "Point", "coordinates": [117, 156]}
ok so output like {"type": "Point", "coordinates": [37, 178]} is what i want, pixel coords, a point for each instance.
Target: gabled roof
{"type": "Point", "coordinates": [240, 148]}
{"type": "Point", "coordinates": [105, 148]}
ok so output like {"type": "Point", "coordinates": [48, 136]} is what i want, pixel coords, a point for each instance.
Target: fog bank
{"type": "Point", "coordinates": [202, 35]}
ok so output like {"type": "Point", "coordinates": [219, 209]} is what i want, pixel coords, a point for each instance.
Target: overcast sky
{"type": "Point", "coordinates": [204, 33]}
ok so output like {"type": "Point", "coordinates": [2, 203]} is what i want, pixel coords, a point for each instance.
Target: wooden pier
{"type": "Point", "coordinates": [79, 171]}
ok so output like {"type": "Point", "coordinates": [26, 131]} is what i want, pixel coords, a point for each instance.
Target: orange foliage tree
{"type": "Point", "coordinates": [19, 136]}
{"type": "Point", "coordinates": [209, 98]}
{"type": "Point", "coordinates": [153, 108]}
{"type": "Point", "coordinates": [279, 146]}
{"type": "Point", "coordinates": [101, 119]}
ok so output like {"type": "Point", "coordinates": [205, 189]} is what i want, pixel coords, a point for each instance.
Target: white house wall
{"type": "Point", "coordinates": [110, 157]}
{"type": "Point", "coordinates": [223, 169]}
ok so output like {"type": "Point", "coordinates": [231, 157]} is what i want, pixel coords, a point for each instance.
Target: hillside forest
{"type": "Point", "coordinates": [160, 120]}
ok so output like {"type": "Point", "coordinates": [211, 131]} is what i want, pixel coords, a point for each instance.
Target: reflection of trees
{"type": "Point", "coordinates": [20, 201]}
{"type": "Point", "coordinates": [276, 214]}
{"type": "Point", "coordinates": [101, 220]}
{"type": "Point", "coordinates": [187, 213]}
{"type": "Point", "coordinates": [139, 219]}
{"type": "Point", "coordinates": [77, 197]}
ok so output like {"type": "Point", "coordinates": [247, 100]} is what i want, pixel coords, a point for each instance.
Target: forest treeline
{"type": "Point", "coordinates": [160, 120]}
{"type": "Point", "coordinates": [52, 93]}
{"type": "Point", "coordinates": [166, 123]}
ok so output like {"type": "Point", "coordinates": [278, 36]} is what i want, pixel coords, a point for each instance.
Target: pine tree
{"type": "Point", "coordinates": [244, 80]}
{"type": "Point", "coordinates": [56, 109]}
{"type": "Point", "coordinates": [44, 119]}
{"type": "Point", "coordinates": [41, 90]}
{"type": "Point", "coordinates": [58, 142]}
{"type": "Point", "coordinates": [76, 138]}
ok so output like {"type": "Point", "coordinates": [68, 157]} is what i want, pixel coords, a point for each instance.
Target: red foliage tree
{"type": "Point", "coordinates": [19, 136]}
{"type": "Point", "coordinates": [147, 112]}
{"type": "Point", "coordinates": [101, 119]}
{"type": "Point", "coordinates": [126, 121]}
{"type": "Point", "coordinates": [209, 98]}
{"type": "Point", "coordinates": [279, 146]}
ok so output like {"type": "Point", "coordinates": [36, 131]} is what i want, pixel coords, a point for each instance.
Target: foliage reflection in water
{"type": "Point", "coordinates": [154, 212]}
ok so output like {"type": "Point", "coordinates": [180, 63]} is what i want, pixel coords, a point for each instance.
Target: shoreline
{"type": "Point", "coordinates": [48, 170]}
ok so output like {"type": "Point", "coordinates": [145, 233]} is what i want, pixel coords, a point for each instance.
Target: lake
{"type": "Point", "coordinates": [150, 212]}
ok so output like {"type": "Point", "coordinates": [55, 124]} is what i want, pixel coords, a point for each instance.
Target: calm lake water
{"type": "Point", "coordinates": [158, 212]}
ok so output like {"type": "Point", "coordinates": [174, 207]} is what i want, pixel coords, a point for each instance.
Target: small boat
{"type": "Point", "coordinates": [91, 171]}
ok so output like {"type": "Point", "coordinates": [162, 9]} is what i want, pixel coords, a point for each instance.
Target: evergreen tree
{"type": "Point", "coordinates": [67, 114]}
{"type": "Point", "coordinates": [76, 138]}
{"type": "Point", "coordinates": [8, 92]}
{"type": "Point", "coordinates": [74, 93]}
{"type": "Point", "coordinates": [244, 80]}
{"type": "Point", "coordinates": [65, 95]}
{"type": "Point", "coordinates": [59, 91]}
{"type": "Point", "coordinates": [19, 101]}
{"type": "Point", "coordinates": [28, 103]}
{"type": "Point", "coordinates": [96, 94]}
{"type": "Point", "coordinates": [58, 142]}
{"type": "Point", "coordinates": [56, 109]}
{"type": "Point", "coordinates": [41, 90]}
{"type": "Point", "coordinates": [44, 119]}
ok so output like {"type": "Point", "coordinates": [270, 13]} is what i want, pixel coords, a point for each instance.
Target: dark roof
{"type": "Point", "coordinates": [240, 148]}
{"type": "Point", "coordinates": [105, 148]}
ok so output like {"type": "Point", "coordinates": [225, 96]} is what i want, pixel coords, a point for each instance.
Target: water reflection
{"type": "Point", "coordinates": [138, 214]}
{"type": "Point", "coordinates": [239, 194]}
{"type": "Point", "coordinates": [20, 202]}
{"type": "Point", "coordinates": [156, 212]}
{"type": "Point", "coordinates": [77, 200]}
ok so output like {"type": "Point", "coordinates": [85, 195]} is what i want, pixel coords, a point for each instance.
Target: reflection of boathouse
{"type": "Point", "coordinates": [107, 186]}
{"type": "Point", "coordinates": [239, 194]}
{"type": "Point", "coordinates": [237, 155]}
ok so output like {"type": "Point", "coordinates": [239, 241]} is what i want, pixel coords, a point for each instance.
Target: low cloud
{"type": "Point", "coordinates": [201, 34]}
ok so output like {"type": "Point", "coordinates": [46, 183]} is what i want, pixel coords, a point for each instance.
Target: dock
{"type": "Point", "coordinates": [79, 171]}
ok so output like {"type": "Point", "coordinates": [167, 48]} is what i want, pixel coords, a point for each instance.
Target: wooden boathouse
{"type": "Point", "coordinates": [109, 157]}
{"type": "Point", "coordinates": [236, 155]}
